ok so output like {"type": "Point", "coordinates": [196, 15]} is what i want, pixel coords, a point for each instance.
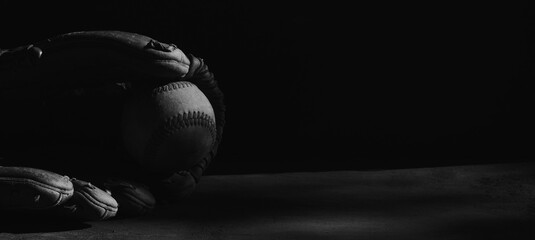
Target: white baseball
{"type": "Point", "coordinates": [169, 128]}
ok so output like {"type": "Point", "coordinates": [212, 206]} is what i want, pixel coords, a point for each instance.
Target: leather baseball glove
{"type": "Point", "coordinates": [49, 72]}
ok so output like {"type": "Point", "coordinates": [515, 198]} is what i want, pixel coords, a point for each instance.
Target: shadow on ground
{"type": "Point", "coordinates": [479, 202]}
{"type": "Point", "coordinates": [37, 222]}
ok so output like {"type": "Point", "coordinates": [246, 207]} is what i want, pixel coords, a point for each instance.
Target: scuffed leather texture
{"type": "Point", "coordinates": [134, 198]}
{"type": "Point", "coordinates": [92, 57]}
{"type": "Point", "coordinates": [31, 188]}
{"type": "Point", "coordinates": [90, 202]}
{"type": "Point", "coordinates": [200, 75]}
{"type": "Point", "coordinates": [180, 185]}
{"type": "Point", "coordinates": [174, 188]}
{"type": "Point", "coordinates": [19, 57]}
{"type": "Point", "coordinates": [79, 61]}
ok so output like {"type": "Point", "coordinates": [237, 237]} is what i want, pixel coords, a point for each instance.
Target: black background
{"type": "Point", "coordinates": [333, 86]}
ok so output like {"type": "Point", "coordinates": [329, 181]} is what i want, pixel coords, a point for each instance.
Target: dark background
{"type": "Point", "coordinates": [333, 86]}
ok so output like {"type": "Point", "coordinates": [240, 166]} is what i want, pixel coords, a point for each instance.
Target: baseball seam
{"type": "Point", "coordinates": [175, 124]}
{"type": "Point", "coordinates": [172, 86]}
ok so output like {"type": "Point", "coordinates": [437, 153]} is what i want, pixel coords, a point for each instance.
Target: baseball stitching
{"type": "Point", "coordinates": [178, 122]}
{"type": "Point", "coordinates": [171, 87]}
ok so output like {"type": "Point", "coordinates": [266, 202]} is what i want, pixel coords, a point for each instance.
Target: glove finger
{"type": "Point", "coordinates": [134, 198]}
{"type": "Point", "coordinates": [31, 188]}
{"type": "Point", "coordinates": [94, 57]}
{"type": "Point", "coordinates": [174, 188]}
{"type": "Point", "coordinates": [89, 203]}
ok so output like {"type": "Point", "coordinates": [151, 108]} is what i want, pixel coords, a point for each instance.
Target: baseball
{"type": "Point", "coordinates": [168, 128]}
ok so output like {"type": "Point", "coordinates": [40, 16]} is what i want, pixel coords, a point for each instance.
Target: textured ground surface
{"type": "Point", "coordinates": [462, 202]}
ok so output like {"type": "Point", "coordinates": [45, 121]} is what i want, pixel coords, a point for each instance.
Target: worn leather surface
{"type": "Point", "coordinates": [49, 73]}
{"type": "Point", "coordinates": [90, 202]}
{"type": "Point", "coordinates": [175, 188]}
{"type": "Point", "coordinates": [31, 188]}
{"type": "Point", "coordinates": [134, 198]}
{"type": "Point", "coordinates": [455, 202]}
{"type": "Point", "coordinates": [91, 57]}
